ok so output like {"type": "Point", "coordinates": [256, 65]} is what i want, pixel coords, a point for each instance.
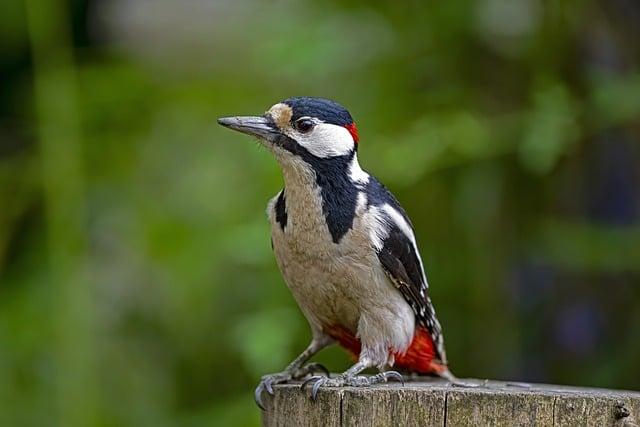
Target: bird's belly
{"type": "Point", "coordinates": [324, 284]}
{"type": "Point", "coordinates": [340, 288]}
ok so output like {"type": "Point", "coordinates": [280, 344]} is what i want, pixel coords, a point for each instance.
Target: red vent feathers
{"type": "Point", "coordinates": [419, 357]}
{"type": "Point", "coordinates": [353, 130]}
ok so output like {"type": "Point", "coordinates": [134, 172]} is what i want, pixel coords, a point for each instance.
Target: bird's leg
{"type": "Point", "coordinates": [296, 369]}
{"type": "Point", "coordinates": [351, 378]}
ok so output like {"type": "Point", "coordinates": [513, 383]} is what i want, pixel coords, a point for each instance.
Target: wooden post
{"type": "Point", "coordinates": [437, 403]}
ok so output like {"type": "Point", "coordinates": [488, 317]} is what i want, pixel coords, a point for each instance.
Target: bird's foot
{"type": "Point", "coordinates": [354, 381]}
{"type": "Point", "coordinates": [268, 381]}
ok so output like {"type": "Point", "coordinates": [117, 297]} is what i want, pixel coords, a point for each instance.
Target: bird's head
{"type": "Point", "coordinates": [314, 129]}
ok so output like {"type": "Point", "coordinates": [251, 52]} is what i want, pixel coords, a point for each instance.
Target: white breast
{"type": "Point", "coordinates": [338, 284]}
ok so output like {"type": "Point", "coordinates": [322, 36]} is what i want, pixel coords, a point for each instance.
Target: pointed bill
{"type": "Point", "coordinates": [251, 125]}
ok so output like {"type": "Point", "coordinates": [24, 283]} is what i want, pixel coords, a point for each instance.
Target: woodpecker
{"type": "Point", "coordinates": [346, 249]}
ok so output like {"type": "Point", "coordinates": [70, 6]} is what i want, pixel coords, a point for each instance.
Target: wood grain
{"type": "Point", "coordinates": [437, 403]}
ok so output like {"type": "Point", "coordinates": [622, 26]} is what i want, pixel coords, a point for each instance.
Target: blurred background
{"type": "Point", "coordinates": [137, 282]}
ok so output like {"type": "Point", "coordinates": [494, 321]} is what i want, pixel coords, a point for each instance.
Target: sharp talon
{"type": "Point", "coordinates": [268, 386]}
{"type": "Point", "coordinates": [303, 386]}
{"type": "Point", "coordinates": [257, 395]}
{"type": "Point", "coordinates": [394, 375]}
{"type": "Point", "coordinates": [314, 390]}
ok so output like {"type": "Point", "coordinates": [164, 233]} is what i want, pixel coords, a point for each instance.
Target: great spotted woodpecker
{"type": "Point", "coordinates": [346, 249]}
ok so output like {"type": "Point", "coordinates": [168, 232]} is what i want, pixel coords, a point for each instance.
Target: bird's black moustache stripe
{"type": "Point", "coordinates": [339, 194]}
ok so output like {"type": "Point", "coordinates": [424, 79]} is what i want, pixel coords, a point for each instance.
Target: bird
{"type": "Point", "coordinates": [346, 249]}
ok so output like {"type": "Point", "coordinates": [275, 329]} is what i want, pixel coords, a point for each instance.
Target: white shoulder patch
{"type": "Point", "coordinates": [356, 173]}
{"type": "Point", "coordinates": [378, 229]}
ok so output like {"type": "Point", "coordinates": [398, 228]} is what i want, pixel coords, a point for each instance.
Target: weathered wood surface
{"type": "Point", "coordinates": [437, 403]}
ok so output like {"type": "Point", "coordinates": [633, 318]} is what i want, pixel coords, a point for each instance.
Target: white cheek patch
{"type": "Point", "coordinates": [326, 140]}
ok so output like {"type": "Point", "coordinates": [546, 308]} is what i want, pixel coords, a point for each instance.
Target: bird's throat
{"type": "Point", "coordinates": [321, 195]}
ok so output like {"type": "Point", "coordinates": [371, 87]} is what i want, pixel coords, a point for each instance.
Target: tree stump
{"type": "Point", "coordinates": [427, 402]}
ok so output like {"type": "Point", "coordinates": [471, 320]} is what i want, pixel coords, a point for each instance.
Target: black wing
{"type": "Point", "coordinates": [401, 261]}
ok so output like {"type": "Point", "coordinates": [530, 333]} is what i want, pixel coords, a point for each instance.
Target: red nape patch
{"type": "Point", "coordinates": [353, 130]}
{"type": "Point", "coordinates": [418, 358]}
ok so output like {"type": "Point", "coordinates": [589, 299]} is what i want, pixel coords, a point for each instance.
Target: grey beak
{"type": "Point", "coordinates": [255, 126]}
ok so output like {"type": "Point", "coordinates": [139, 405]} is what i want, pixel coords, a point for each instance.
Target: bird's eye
{"type": "Point", "coordinates": [304, 125]}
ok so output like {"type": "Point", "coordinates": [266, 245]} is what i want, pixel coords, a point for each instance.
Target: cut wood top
{"type": "Point", "coordinates": [434, 402]}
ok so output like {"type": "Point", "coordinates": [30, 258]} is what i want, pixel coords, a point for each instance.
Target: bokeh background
{"type": "Point", "coordinates": [137, 282]}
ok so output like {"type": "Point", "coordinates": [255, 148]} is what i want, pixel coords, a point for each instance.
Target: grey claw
{"type": "Point", "coordinates": [304, 384]}
{"type": "Point", "coordinates": [257, 395]}
{"type": "Point", "coordinates": [317, 381]}
{"type": "Point", "coordinates": [393, 375]}
{"type": "Point", "coordinates": [268, 386]}
{"type": "Point", "coordinates": [316, 387]}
